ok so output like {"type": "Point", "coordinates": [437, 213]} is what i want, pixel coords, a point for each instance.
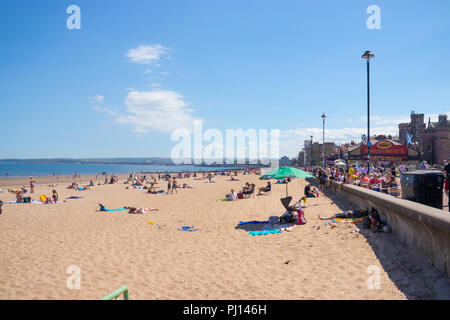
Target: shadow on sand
{"type": "Point", "coordinates": [412, 273]}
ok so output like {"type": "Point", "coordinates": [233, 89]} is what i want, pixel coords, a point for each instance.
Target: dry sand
{"type": "Point", "coordinates": [219, 261]}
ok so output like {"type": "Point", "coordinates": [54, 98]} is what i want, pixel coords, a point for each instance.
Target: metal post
{"type": "Point", "coordinates": [323, 141]}
{"type": "Point", "coordinates": [368, 114]}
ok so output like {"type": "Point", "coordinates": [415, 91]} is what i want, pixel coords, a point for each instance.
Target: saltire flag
{"type": "Point", "coordinates": [409, 138]}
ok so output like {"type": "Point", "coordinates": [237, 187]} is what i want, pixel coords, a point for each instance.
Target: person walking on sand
{"type": "Point", "coordinates": [174, 185]}
{"type": "Point", "coordinates": [32, 183]}
{"type": "Point", "coordinates": [169, 186]}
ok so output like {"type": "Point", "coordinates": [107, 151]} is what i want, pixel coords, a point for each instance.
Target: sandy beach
{"type": "Point", "coordinates": [218, 261]}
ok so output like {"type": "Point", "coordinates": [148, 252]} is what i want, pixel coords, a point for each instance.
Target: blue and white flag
{"type": "Point", "coordinates": [409, 138]}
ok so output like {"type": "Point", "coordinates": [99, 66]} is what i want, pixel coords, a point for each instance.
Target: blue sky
{"type": "Point", "coordinates": [137, 70]}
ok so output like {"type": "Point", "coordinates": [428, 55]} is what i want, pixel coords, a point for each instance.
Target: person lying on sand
{"type": "Point", "coordinates": [74, 185]}
{"type": "Point", "coordinates": [348, 214]}
{"type": "Point", "coordinates": [139, 210]}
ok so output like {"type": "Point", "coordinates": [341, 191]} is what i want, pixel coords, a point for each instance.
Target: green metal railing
{"type": "Point", "coordinates": [116, 294]}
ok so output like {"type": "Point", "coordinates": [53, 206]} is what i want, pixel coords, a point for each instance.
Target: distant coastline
{"type": "Point", "coordinates": [67, 167]}
{"type": "Point", "coordinates": [132, 161]}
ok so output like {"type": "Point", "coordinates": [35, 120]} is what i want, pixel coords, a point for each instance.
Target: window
{"type": "Point", "coordinates": [428, 148]}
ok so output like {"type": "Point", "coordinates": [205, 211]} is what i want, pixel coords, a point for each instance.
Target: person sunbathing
{"type": "Point", "coordinates": [348, 214]}
{"type": "Point", "coordinates": [139, 210]}
{"type": "Point", "coordinates": [265, 189]}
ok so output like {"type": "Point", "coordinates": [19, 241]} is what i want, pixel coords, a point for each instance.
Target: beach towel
{"type": "Point", "coordinates": [187, 229]}
{"type": "Point", "coordinates": [103, 208]}
{"type": "Point", "coordinates": [264, 232]}
{"type": "Point", "coordinates": [74, 198]}
{"type": "Point", "coordinates": [352, 220]}
{"type": "Point", "coordinates": [32, 201]}
{"type": "Point", "coordinates": [252, 222]}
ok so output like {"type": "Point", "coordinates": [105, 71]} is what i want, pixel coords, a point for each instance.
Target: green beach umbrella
{"type": "Point", "coordinates": [286, 172]}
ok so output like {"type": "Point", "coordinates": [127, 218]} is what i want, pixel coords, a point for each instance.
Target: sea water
{"type": "Point", "coordinates": [64, 169]}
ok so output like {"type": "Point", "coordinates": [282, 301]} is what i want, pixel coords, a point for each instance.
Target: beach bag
{"type": "Point", "coordinates": [367, 222]}
{"type": "Point", "coordinates": [301, 218]}
{"type": "Point", "coordinates": [27, 200]}
{"type": "Point", "coordinates": [287, 217]}
{"type": "Point", "coordinates": [240, 195]}
{"type": "Point", "coordinates": [43, 198]}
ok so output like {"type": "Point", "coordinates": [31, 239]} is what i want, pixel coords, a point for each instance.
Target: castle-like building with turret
{"type": "Point", "coordinates": [432, 140]}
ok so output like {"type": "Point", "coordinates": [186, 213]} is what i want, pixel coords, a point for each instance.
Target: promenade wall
{"type": "Point", "coordinates": [424, 227]}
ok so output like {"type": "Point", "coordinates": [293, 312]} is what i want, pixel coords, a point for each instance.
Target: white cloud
{"type": "Point", "coordinates": [98, 98]}
{"type": "Point", "coordinates": [161, 110]}
{"type": "Point", "coordinates": [105, 109]}
{"type": "Point", "coordinates": [146, 54]}
{"type": "Point", "coordinates": [101, 105]}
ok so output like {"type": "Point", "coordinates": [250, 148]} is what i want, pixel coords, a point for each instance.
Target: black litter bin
{"type": "Point", "coordinates": [424, 186]}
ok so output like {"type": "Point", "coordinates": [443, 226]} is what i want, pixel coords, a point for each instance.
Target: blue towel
{"type": "Point", "coordinates": [252, 222]}
{"type": "Point", "coordinates": [187, 229]}
{"type": "Point", "coordinates": [103, 208]}
{"type": "Point", "coordinates": [264, 232]}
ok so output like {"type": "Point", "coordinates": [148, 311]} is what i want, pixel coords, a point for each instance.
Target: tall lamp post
{"type": "Point", "coordinates": [323, 146]}
{"type": "Point", "coordinates": [368, 55]}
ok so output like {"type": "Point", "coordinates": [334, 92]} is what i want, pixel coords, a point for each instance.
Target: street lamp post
{"type": "Point", "coordinates": [323, 146]}
{"type": "Point", "coordinates": [368, 55]}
